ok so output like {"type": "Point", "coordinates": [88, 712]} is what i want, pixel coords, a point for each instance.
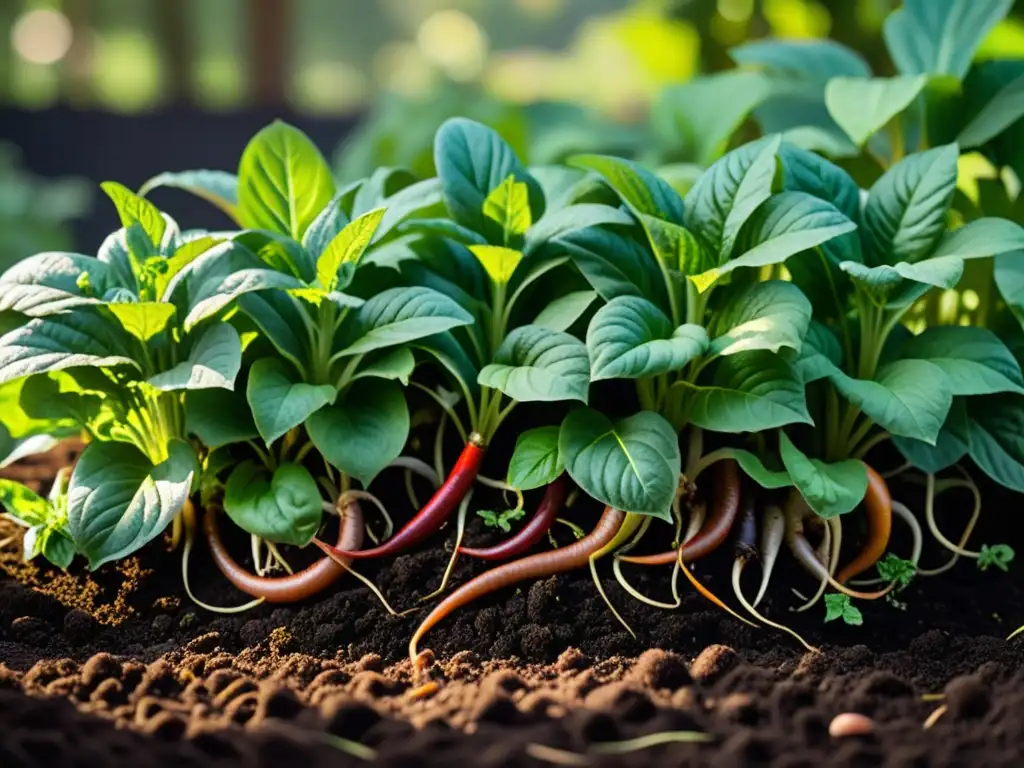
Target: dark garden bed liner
{"type": "Point", "coordinates": [156, 681]}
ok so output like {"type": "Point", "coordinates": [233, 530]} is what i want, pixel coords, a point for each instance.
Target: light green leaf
{"type": "Point", "coordinates": [219, 291]}
{"type": "Point", "coordinates": [397, 363]}
{"type": "Point", "coordinates": [748, 392]}
{"type": "Point", "coordinates": [219, 417]}
{"type": "Point", "coordinates": [905, 215]}
{"type": "Point", "coordinates": [631, 338]}
{"type": "Point", "coordinates": [536, 364]}
{"type": "Point", "coordinates": [677, 247]}
{"type": "Point", "coordinates": [498, 261]}
{"type": "Point", "coordinates": [722, 200]}
{"type": "Point", "coordinates": [632, 464]}
{"type": "Point", "coordinates": [180, 263]}
{"type": "Point", "coordinates": [909, 398]}
{"type": "Point", "coordinates": [279, 401]}
{"type": "Point", "coordinates": [535, 461]}
{"type": "Point", "coordinates": [472, 160]}
{"type": "Point", "coordinates": [347, 247]}
{"type": "Point", "coordinates": [400, 315]}
{"type": "Point", "coordinates": [132, 208]}
{"type": "Point", "coordinates": [933, 37]}
{"type": "Point", "coordinates": [643, 191]}
{"type": "Point", "coordinates": [26, 505]}
{"type": "Point", "coordinates": [217, 187]}
{"type": "Point", "coordinates": [561, 313]}
{"type": "Point", "coordinates": [284, 507]}
{"type": "Point", "coordinates": [863, 106]}
{"type": "Point", "coordinates": [364, 432]}
{"type": "Point", "coordinates": [48, 283]}
{"type": "Point", "coordinates": [768, 315]}
{"type": "Point", "coordinates": [508, 204]}
{"type": "Point", "coordinates": [950, 446]}
{"type": "Point", "coordinates": [756, 470]}
{"type": "Point", "coordinates": [829, 489]}
{"type": "Point", "coordinates": [62, 341]}
{"type": "Point", "coordinates": [213, 361]}
{"type": "Point", "coordinates": [1009, 278]}
{"type": "Point", "coordinates": [283, 181]}
{"type": "Point", "coordinates": [973, 360]}
{"type": "Point", "coordinates": [883, 279]}
{"type": "Point", "coordinates": [118, 500]}
{"type": "Point", "coordinates": [980, 239]}
{"type": "Point", "coordinates": [143, 319]}
{"type": "Point", "coordinates": [819, 60]}
{"type": "Point", "coordinates": [787, 224]}
{"type": "Point", "coordinates": [563, 222]}
{"type": "Point", "coordinates": [615, 265]}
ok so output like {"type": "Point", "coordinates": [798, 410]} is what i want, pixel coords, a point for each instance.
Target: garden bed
{"type": "Point", "coordinates": [121, 665]}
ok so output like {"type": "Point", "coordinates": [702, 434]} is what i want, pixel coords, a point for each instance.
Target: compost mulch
{"type": "Point", "coordinates": [119, 667]}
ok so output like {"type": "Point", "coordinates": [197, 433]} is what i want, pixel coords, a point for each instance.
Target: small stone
{"type": "Point", "coordinates": [660, 669]}
{"type": "Point", "coordinates": [850, 724]}
{"type": "Point", "coordinates": [713, 662]}
{"type": "Point", "coordinates": [79, 626]}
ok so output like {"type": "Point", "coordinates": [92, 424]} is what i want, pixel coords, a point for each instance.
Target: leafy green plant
{"type": "Point", "coordinates": [838, 606]}
{"type": "Point", "coordinates": [502, 519]}
{"type": "Point", "coordinates": [46, 520]}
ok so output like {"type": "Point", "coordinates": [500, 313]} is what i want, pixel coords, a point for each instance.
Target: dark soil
{"type": "Point", "coordinates": [119, 668]}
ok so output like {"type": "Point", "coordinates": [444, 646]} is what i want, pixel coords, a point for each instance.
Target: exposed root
{"type": "Point", "coordinates": [633, 591]}
{"type": "Point", "coordinates": [933, 490]}
{"type": "Point", "coordinates": [772, 533]}
{"type": "Point", "coordinates": [709, 595]}
{"type": "Point", "coordinates": [389, 525]}
{"type": "Point", "coordinates": [557, 756]}
{"type": "Point", "coordinates": [903, 513]}
{"type": "Point", "coordinates": [828, 556]}
{"type": "Point", "coordinates": [460, 529]}
{"type": "Point", "coordinates": [417, 466]}
{"type": "Point", "coordinates": [933, 718]}
{"type": "Point", "coordinates": [737, 572]}
{"type": "Point", "coordinates": [370, 586]}
{"type": "Point", "coordinates": [501, 485]}
{"type": "Point", "coordinates": [189, 526]}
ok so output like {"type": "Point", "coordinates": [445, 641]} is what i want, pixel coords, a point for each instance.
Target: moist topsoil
{"type": "Point", "coordinates": [119, 667]}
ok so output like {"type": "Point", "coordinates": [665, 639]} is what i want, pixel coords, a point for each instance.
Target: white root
{"type": "Point", "coordinates": [460, 529]}
{"type": "Point", "coordinates": [419, 467]}
{"type": "Point", "coordinates": [828, 555]}
{"type": "Point", "coordinates": [929, 510]}
{"type": "Point", "coordinates": [737, 573]}
{"type": "Point", "coordinates": [772, 534]}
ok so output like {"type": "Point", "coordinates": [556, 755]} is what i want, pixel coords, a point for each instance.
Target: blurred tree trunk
{"type": "Point", "coordinates": [269, 33]}
{"type": "Point", "coordinates": [77, 75]}
{"type": "Point", "coordinates": [176, 49]}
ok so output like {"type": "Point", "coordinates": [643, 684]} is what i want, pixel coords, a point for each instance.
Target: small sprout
{"type": "Point", "coordinates": [999, 555]}
{"type": "Point", "coordinates": [501, 519]}
{"type": "Point", "coordinates": [84, 284]}
{"type": "Point", "coordinates": [839, 606]}
{"type": "Point", "coordinates": [893, 568]}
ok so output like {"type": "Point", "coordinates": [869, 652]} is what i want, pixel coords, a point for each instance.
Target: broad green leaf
{"type": "Point", "coordinates": [940, 37]}
{"type": "Point", "coordinates": [400, 315]}
{"type": "Point", "coordinates": [820, 354]}
{"type": "Point", "coordinates": [748, 392]}
{"type": "Point", "coordinates": [677, 247]}
{"type": "Point", "coordinates": [905, 215]}
{"type": "Point", "coordinates": [472, 160]}
{"type": "Point", "coordinates": [909, 398]}
{"type": "Point", "coordinates": [217, 187]}
{"type": "Point", "coordinates": [563, 221]}
{"type": "Point", "coordinates": [217, 292]}
{"type": "Point", "coordinates": [768, 315]}
{"type": "Point", "coordinates": [995, 434]}
{"type": "Point", "coordinates": [863, 106]}
{"type": "Point", "coordinates": [819, 60]}
{"type": "Point", "coordinates": [1009, 278]}
{"type": "Point", "coordinates": [561, 313]}
{"type": "Point", "coordinates": [49, 283]}
{"type": "Point", "coordinates": [59, 399]}
{"type": "Point", "coordinates": [883, 279]}
{"type": "Point", "coordinates": [213, 361]}
{"type": "Point", "coordinates": [134, 209]}
{"type": "Point", "coordinates": [327, 225]}
{"type": "Point", "coordinates": [280, 321]}
{"type": "Point", "coordinates": [279, 252]}
{"type": "Point", "coordinates": [400, 206]}
{"type": "Point", "coordinates": [981, 238]}
{"type": "Point", "coordinates": [279, 401]}
{"type": "Point", "coordinates": [804, 171]}
{"type": "Point", "coordinates": [26, 505]}
{"type": "Point", "coordinates": [397, 364]}
{"type": "Point", "coordinates": [219, 417]}
{"type": "Point", "coordinates": [995, 117]}
{"type": "Point", "coordinates": [508, 204]}
{"type": "Point", "coordinates": [61, 341]}
{"type": "Point", "coordinates": [829, 489]}
{"type": "Point", "coordinates": [973, 360]}
{"type": "Point", "coordinates": [615, 265]}
{"type": "Point", "coordinates": [536, 364]}
{"type": "Point", "coordinates": [177, 267]}
{"type": "Point", "coordinates": [499, 262]}
{"type": "Point", "coordinates": [364, 432]}
{"type": "Point", "coordinates": [143, 319]}
{"type": "Point", "coordinates": [535, 461]}
{"type": "Point", "coordinates": [787, 224]}
{"type": "Point", "coordinates": [118, 500]}
{"type": "Point", "coordinates": [632, 464]}
{"type": "Point", "coordinates": [643, 191]}
{"type": "Point", "coordinates": [950, 446]}
{"type": "Point", "coordinates": [756, 470]}
{"type": "Point", "coordinates": [726, 100]}
{"type": "Point", "coordinates": [283, 181]}
{"type": "Point", "coordinates": [347, 247]}
{"type": "Point", "coordinates": [729, 192]}
{"type": "Point", "coordinates": [283, 507]}
{"type": "Point", "coordinates": [630, 338]}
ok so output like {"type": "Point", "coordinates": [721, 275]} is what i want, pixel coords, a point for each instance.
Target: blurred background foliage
{"type": "Point", "coordinates": [554, 76]}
